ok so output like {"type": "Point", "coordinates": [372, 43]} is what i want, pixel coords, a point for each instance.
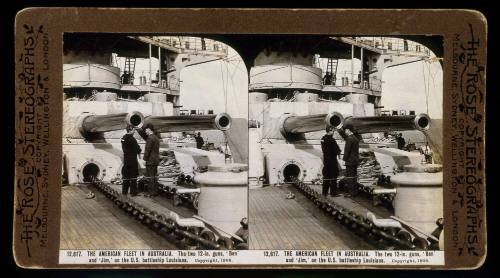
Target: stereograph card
{"type": "Point", "coordinates": [250, 138]}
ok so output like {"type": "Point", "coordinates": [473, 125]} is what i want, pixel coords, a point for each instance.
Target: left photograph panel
{"type": "Point", "coordinates": [155, 143]}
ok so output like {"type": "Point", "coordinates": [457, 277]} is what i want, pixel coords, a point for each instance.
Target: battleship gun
{"type": "Point", "coordinates": [91, 124]}
{"type": "Point", "coordinates": [221, 121]}
{"type": "Point", "coordinates": [376, 124]}
{"type": "Point", "coordinates": [294, 127]}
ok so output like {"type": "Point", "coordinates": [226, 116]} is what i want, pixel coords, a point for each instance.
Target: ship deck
{"type": "Point", "coordinates": [98, 224]}
{"type": "Point", "coordinates": [279, 223]}
{"type": "Point", "coordinates": [275, 222]}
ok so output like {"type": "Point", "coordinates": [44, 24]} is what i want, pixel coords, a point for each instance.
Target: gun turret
{"type": "Point", "coordinates": [161, 124]}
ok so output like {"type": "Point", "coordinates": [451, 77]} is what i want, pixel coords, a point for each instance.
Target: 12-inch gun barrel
{"type": "Point", "coordinates": [161, 124]}
{"type": "Point", "coordinates": [387, 123]}
{"type": "Point", "coordinates": [294, 126]}
{"type": "Point", "coordinates": [92, 124]}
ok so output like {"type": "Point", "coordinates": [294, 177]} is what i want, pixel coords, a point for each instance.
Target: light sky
{"type": "Point", "coordinates": [205, 86]}
{"type": "Point", "coordinates": [409, 86]}
{"type": "Point", "coordinates": [406, 87]}
{"type": "Point", "coordinates": [208, 86]}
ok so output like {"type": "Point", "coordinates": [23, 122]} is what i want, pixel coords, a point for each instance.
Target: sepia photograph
{"type": "Point", "coordinates": [250, 138]}
{"type": "Point", "coordinates": [154, 143]}
{"type": "Point", "coordinates": [344, 137]}
{"type": "Point", "coordinates": [346, 143]}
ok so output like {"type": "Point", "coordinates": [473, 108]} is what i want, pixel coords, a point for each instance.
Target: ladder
{"type": "Point", "coordinates": [331, 67]}
{"type": "Point", "coordinates": [129, 70]}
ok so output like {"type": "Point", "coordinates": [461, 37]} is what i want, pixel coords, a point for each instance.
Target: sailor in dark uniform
{"type": "Point", "coordinates": [351, 158]}
{"type": "Point", "coordinates": [152, 159]}
{"type": "Point", "coordinates": [401, 141]}
{"type": "Point", "coordinates": [330, 165]}
{"type": "Point", "coordinates": [130, 169]}
{"type": "Point", "coordinates": [199, 141]}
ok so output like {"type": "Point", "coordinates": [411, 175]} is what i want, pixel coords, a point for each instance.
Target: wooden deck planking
{"type": "Point", "coordinates": [74, 224]}
{"type": "Point", "coordinates": [274, 237]}
{"type": "Point", "coordinates": [295, 226]}
{"type": "Point", "coordinates": [261, 229]}
{"type": "Point", "coordinates": [280, 223]}
{"type": "Point", "coordinates": [293, 237]}
{"type": "Point", "coordinates": [286, 213]}
{"type": "Point", "coordinates": [86, 224]}
{"type": "Point", "coordinates": [277, 231]}
{"type": "Point", "coordinates": [77, 224]}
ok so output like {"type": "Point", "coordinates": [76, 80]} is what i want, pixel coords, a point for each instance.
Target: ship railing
{"type": "Point", "coordinates": [396, 45]}
{"type": "Point", "coordinates": [151, 78]}
{"type": "Point", "coordinates": [194, 44]}
{"type": "Point", "coordinates": [345, 79]}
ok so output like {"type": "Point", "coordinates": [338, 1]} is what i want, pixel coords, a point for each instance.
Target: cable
{"type": "Point", "coordinates": [425, 88]}
{"type": "Point", "coordinates": [223, 86]}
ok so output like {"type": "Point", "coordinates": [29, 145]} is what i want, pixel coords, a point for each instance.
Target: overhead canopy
{"type": "Point", "coordinates": [126, 45]}
{"type": "Point", "coordinates": [249, 46]}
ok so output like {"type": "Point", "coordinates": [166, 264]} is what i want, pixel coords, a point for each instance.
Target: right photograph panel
{"type": "Point", "coordinates": [345, 143]}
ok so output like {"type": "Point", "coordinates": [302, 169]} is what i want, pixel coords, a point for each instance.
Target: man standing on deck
{"type": "Point", "coordinates": [351, 158]}
{"type": "Point", "coordinates": [401, 141]}
{"type": "Point", "coordinates": [152, 159]}
{"type": "Point", "coordinates": [130, 169]}
{"type": "Point", "coordinates": [330, 164]}
{"type": "Point", "coordinates": [199, 140]}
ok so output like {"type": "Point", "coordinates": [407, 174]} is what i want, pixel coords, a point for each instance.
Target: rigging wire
{"type": "Point", "coordinates": [425, 87]}
{"type": "Point", "coordinates": [223, 86]}
{"type": "Point", "coordinates": [233, 87]}
{"type": "Point", "coordinates": [227, 156]}
{"type": "Point", "coordinates": [426, 90]}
